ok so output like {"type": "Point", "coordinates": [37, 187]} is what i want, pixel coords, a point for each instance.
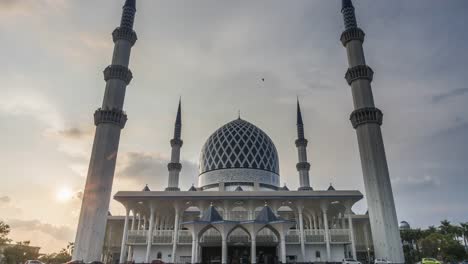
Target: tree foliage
{"type": "Point", "coordinates": [56, 258]}
{"type": "Point", "coordinates": [4, 231]}
{"type": "Point", "coordinates": [20, 252]}
{"type": "Point", "coordinates": [443, 242]}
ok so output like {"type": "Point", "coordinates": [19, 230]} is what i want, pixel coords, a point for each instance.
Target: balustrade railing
{"type": "Point", "coordinates": [162, 236]}
{"type": "Point", "coordinates": [137, 237]}
{"type": "Point", "coordinates": [185, 237]}
{"type": "Point", "coordinates": [314, 235]}
{"type": "Point", "coordinates": [339, 236]}
{"type": "Point", "coordinates": [293, 236]}
{"type": "Point", "coordinates": [239, 236]}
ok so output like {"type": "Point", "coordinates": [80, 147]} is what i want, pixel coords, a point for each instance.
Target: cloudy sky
{"type": "Point", "coordinates": [214, 54]}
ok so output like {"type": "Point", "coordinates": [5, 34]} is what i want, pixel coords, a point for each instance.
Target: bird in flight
{"type": "Point", "coordinates": [263, 79]}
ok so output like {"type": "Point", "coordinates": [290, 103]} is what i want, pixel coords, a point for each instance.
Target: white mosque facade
{"type": "Point", "coordinates": [238, 212]}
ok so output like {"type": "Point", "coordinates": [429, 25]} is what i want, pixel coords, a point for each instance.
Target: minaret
{"type": "Point", "coordinates": [302, 166]}
{"type": "Point", "coordinates": [367, 119]}
{"type": "Point", "coordinates": [174, 166]}
{"type": "Point", "coordinates": [109, 120]}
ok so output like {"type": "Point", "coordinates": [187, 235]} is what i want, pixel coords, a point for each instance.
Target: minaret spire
{"type": "Point", "coordinates": [302, 166]}
{"type": "Point", "coordinates": [110, 119]}
{"type": "Point", "coordinates": [367, 119]}
{"type": "Point", "coordinates": [174, 166]}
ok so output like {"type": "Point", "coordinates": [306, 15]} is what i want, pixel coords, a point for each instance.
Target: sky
{"type": "Point", "coordinates": [214, 54]}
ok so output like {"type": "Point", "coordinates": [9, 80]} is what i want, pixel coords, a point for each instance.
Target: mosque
{"type": "Point", "coordinates": [238, 212]}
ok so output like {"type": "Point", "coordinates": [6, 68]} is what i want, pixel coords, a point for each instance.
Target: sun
{"type": "Point", "coordinates": [64, 194]}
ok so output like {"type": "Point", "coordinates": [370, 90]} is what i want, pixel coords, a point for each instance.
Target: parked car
{"type": "Point", "coordinates": [350, 261]}
{"type": "Point", "coordinates": [33, 262]}
{"type": "Point", "coordinates": [430, 261]}
{"type": "Point", "coordinates": [382, 261]}
{"type": "Point", "coordinates": [465, 261]}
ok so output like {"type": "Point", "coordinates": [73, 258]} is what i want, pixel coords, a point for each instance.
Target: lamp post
{"type": "Point", "coordinates": [368, 256]}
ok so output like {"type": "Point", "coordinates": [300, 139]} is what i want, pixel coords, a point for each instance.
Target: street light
{"type": "Point", "coordinates": [368, 255]}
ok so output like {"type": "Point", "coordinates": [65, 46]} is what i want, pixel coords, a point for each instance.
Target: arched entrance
{"type": "Point", "coordinates": [238, 246]}
{"type": "Point", "coordinates": [210, 243]}
{"type": "Point", "coordinates": [267, 245]}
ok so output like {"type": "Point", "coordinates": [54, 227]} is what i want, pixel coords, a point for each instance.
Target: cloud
{"type": "Point", "coordinates": [5, 199]}
{"type": "Point", "coordinates": [63, 233]}
{"type": "Point", "coordinates": [74, 133]}
{"type": "Point", "coordinates": [148, 168]}
{"type": "Point", "coordinates": [421, 182]}
{"type": "Point", "coordinates": [447, 95]}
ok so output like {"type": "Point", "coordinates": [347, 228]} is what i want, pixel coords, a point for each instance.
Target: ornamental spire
{"type": "Point", "coordinates": [128, 15]}
{"type": "Point", "coordinates": [301, 143]}
{"type": "Point", "coordinates": [178, 122]}
{"type": "Point", "coordinates": [348, 14]}
{"type": "Point", "coordinates": [130, 3]}
{"type": "Point", "coordinates": [300, 124]}
{"type": "Point", "coordinates": [174, 166]}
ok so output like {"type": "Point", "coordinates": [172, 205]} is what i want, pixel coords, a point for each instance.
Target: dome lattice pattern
{"type": "Point", "coordinates": [239, 144]}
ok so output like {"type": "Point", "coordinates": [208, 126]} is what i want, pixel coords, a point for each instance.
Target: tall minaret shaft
{"type": "Point", "coordinates": [109, 120]}
{"type": "Point", "coordinates": [174, 166]}
{"type": "Point", "coordinates": [302, 166]}
{"type": "Point", "coordinates": [367, 119]}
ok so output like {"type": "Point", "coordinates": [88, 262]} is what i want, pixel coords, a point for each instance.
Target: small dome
{"type": "Point", "coordinates": [404, 225]}
{"type": "Point", "coordinates": [239, 152]}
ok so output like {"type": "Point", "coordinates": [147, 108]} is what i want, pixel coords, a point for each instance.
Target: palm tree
{"type": "Point", "coordinates": [464, 230]}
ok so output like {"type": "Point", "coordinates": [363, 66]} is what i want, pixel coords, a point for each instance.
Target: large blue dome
{"type": "Point", "coordinates": [239, 148]}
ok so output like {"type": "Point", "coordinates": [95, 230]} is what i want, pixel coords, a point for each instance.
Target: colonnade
{"type": "Point", "coordinates": [305, 219]}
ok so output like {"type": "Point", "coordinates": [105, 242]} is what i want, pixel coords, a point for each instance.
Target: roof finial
{"type": "Point", "coordinates": [239, 114]}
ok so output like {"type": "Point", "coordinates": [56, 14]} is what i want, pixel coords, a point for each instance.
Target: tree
{"type": "Point", "coordinates": [20, 252]}
{"type": "Point", "coordinates": [4, 231]}
{"type": "Point", "coordinates": [57, 258]}
{"type": "Point", "coordinates": [464, 231]}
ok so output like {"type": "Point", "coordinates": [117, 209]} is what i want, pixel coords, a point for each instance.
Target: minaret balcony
{"type": "Point", "coordinates": [175, 142]}
{"type": "Point", "coordinates": [358, 73]}
{"type": "Point", "coordinates": [118, 72]}
{"type": "Point", "coordinates": [301, 142]}
{"type": "Point", "coordinates": [174, 166]}
{"type": "Point", "coordinates": [366, 115]}
{"type": "Point", "coordinates": [124, 33]}
{"type": "Point", "coordinates": [303, 166]}
{"type": "Point", "coordinates": [110, 116]}
{"type": "Point", "coordinates": [352, 34]}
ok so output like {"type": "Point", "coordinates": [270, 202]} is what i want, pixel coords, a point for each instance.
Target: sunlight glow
{"type": "Point", "coordinates": [64, 194]}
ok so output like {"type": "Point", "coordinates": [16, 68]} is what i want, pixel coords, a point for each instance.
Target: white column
{"type": "Point", "coordinates": [315, 221]}
{"type": "Point", "coordinates": [301, 230]}
{"type": "Point", "coordinates": [139, 221]}
{"type": "Point", "coordinates": [327, 233]}
{"type": "Point", "coordinates": [124, 237]}
{"type": "Point", "coordinates": [351, 233]}
{"type": "Point", "coordinates": [149, 235]}
{"type": "Point", "coordinates": [253, 251]}
{"type": "Point", "coordinates": [194, 247]}
{"type": "Point", "coordinates": [175, 235]}
{"type": "Point", "coordinates": [130, 248]}
{"type": "Point", "coordinates": [283, 247]}
{"type": "Point", "coordinates": [224, 250]}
